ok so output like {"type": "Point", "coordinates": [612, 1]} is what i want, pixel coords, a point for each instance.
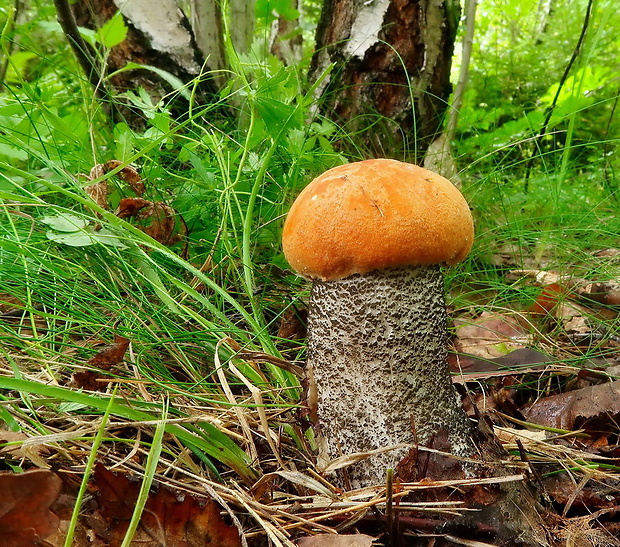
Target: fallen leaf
{"type": "Point", "coordinates": [293, 324]}
{"type": "Point", "coordinates": [16, 448]}
{"type": "Point", "coordinates": [98, 192]}
{"type": "Point", "coordinates": [104, 360]}
{"type": "Point", "coordinates": [572, 410]}
{"type": "Point", "coordinates": [517, 361]}
{"type": "Point", "coordinates": [595, 494]}
{"type": "Point", "coordinates": [161, 223]}
{"type": "Point", "coordinates": [128, 173]}
{"type": "Point", "coordinates": [332, 540]}
{"type": "Point", "coordinates": [603, 292]}
{"type": "Point", "coordinates": [168, 519]}
{"type": "Point", "coordinates": [607, 253]}
{"type": "Point", "coordinates": [130, 207]}
{"type": "Point", "coordinates": [490, 335]}
{"type": "Point", "coordinates": [25, 501]}
{"type": "Point", "coordinates": [155, 218]}
{"type": "Point", "coordinates": [110, 355]}
{"type": "Point", "coordinates": [512, 254]}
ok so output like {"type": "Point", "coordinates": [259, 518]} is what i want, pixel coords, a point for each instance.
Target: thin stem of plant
{"type": "Point", "coordinates": [551, 108]}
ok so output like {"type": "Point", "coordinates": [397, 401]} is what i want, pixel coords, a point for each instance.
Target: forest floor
{"type": "Point", "coordinates": [547, 377]}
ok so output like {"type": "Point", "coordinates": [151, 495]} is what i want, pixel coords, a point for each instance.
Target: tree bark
{"type": "Point", "coordinates": [439, 156]}
{"type": "Point", "coordinates": [209, 24]}
{"type": "Point", "coordinates": [158, 36]}
{"type": "Point", "coordinates": [391, 78]}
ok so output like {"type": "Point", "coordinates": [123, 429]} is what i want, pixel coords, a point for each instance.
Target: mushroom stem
{"type": "Point", "coordinates": [377, 350]}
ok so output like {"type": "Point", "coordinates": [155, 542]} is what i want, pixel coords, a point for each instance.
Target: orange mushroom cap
{"type": "Point", "coordinates": [376, 214]}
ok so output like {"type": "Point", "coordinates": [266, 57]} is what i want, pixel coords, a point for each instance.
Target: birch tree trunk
{"type": "Point", "coordinates": [158, 36]}
{"type": "Point", "coordinates": [439, 156]}
{"type": "Point", "coordinates": [391, 78]}
{"type": "Point", "coordinates": [209, 22]}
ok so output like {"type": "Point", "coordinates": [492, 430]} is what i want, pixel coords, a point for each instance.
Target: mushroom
{"type": "Point", "coordinates": [372, 236]}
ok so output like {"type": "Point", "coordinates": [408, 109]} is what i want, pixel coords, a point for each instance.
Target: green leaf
{"type": "Point", "coordinates": [72, 239]}
{"type": "Point", "coordinates": [113, 32]}
{"type": "Point", "coordinates": [86, 236]}
{"type": "Point", "coordinates": [65, 222]}
{"type": "Point", "coordinates": [276, 114]}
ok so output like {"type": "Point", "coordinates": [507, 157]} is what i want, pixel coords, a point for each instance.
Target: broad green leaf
{"type": "Point", "coordinates": [65, 222]}
{"type": "Point", "coordinates": [113, 32]}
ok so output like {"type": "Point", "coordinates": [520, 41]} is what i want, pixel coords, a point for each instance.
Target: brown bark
{"type": "Point", "coordinates": [391, 79]}
{"type": "Point", "coordinates": [140, 47]}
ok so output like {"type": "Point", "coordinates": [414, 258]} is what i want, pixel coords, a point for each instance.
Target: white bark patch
{"type": "Point", "coordinates": [366, 27]}
{"type": "Point", "coordinates": [161, 22]}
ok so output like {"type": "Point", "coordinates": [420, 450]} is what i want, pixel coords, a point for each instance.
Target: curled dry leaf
{"type": "Point", "coordinates": [162, 223]}
{"type": "Point", "coordinates": [105, 359]}
{"type": "Point", "coordinates": [155, 218]}
{"type": "Point", "coordinates": [575, 409]}
{"type": "Point", "coordinates": [98, 192]}
{"type": "Point", "coordinates": [25, 501]}
{"type": "Point", "coordinates": [97, 171]}
{"type": "Point", "coordinates": [128, 173]}
{"type": "Point", "coordinates": [130, 207]}
{"type": "Point", "coordinates": [167, 519]}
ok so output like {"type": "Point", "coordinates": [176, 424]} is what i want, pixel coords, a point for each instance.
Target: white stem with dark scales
{"type": "Point", "coordinates": [377, 350]}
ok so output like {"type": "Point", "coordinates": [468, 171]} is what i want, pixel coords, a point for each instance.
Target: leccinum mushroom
{"type": "Point", "coordinates": [372, 236]}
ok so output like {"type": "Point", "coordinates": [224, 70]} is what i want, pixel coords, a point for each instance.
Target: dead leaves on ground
{"type": "Point", "coordinates": [168, 518]}
{"type": "Point", "coordinates": [155, 218]}
{"type": "Point", "coordinates": [591, 408]}
{"type": "Point", "coordinates": [330, 540]}
{"type": "Point", "coordinates": [28, 514]}
{"type": "Point", "coordinates": [567, 403]}
{"type": "Point", "coordinates": [25, 501]}
{"type": "Point", "coordinates": [104, 360]}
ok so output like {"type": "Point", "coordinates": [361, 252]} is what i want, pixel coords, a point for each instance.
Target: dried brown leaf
{"type": "Point", "coordinates": [104, 360]}
{"type": "Point", "coordinates": [130, 207]}
{"type": "Point", "coordinates": [25, 501]}
{"type": "Point", "coordinates": [490, 335]}
{"type": "Point", "coordinates": [98, 192]}
{"type": "Point", "coordinates": [128, 173]}
{"type": "Point", "coordinates": [110, 355]}
{"type": "Point", "coordinates": [575, 409]}
{"type": "Point", "coordinates": [155, 218]}
{"type": "Point", "coordinates": [161, 223]}
{"type": "Point", "coordinates": [517, 361]}
{"type": "Point", "coordinates": [168, 519]}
